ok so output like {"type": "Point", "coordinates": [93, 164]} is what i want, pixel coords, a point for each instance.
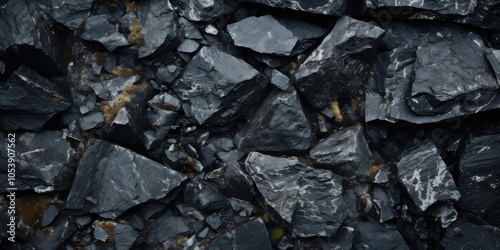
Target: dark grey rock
{"type": "Point", "coordinates": [44, 160]}
{"type": "Point", "coordinates": [205, 10]}
{"type": "Point", "coordinates": [100, 234]}
{"type": "Point", "coordinates": [205, 196]}
{"type": "Point", "coordinates": [343, 239]}
{"type": "Point", "coordinates": [466, 235]}
{"type": "Point", "coordinates": [191, 31]}
{"type": "Point", "coordinates": [345, 152]}
{"type": "Point", "coordinates": [443, 7]}
{"type": "Point", "coordinates": [233, 181]}
{"type": "Point", "coordinates": [425, 176]}
{"type": "Point", "coordinates": [164, 230]}
{"type": "Point", "coordinates": [159, 28]}
{"type": "Point", "coordinates": [332, 8]}
{"type": "Point", "coordinates": [168, 73]}
{"type": "Point", "coordinates": [214, 221]}
{"type": "Point", "coordinates": [21, 109]}
{"type": "Point", "coordinates": [117, 185]}
{"type": "Point", "coordinates": [383, 205]}
{"type": "Point", "coordinates": [479, 176]}
{"type": "Point", "coordinates": [280, 80]}
{"type": "Point", "coordinates": [374, 235]}
{"type": "Point", "coordinates": [270, 35]}
{"type": "Point", "coordinates": [124, 236]}
{"type": "Point", "coordinates": [446, 213]}
{"type": "Point", "coordinates": [71, 13]}
{"type": "Point", "coordinates": [188, 46]}
{"type": "Point", "coordinates": [98, 29]}
{"type": "Point", "coordinates": [49, 214]}
{"type": "Point", "coordinates": [251, 235]}
{"type": "Point", "coordinates": [320, 210]}
{"type": "Point", "coordinates": [111, 88]}
{"type": "Point", "coordinates": [91, 120]}
{"type": "Point", "coordinates": [342, 59]}
{"type": "Point", "coordinates": [229, 86]}
{"type": "Point", "coordinates": [60, 230]}
{"type": "Point", "coordinates": [127, 21]}
{"type": "Point", "coordinates": [28, 38]}
{"type": "Point", "coordinates": [280, 124]}
{"type": "Point", "coordinates": [493, 57]}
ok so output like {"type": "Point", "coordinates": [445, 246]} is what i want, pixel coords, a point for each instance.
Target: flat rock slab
{"type": "Point", "coordinates": [230, 86]}
{"type": "Point", "coordinates": [325, 7]}
{"type": "Point", "coordinates": [426, 177]}
{"type": "Point", "coordinates": [112, 179]}
{"type": "Point", "coordinates": [479, 175]}
{"type": "Point", "coordinates": [279, 125]}
{"type": "Point", "coordinates": [466, 235]}
{"type": "Point", "coordinates": [21, 109]}
{"type": "Point", "coordinates": [339, 65]}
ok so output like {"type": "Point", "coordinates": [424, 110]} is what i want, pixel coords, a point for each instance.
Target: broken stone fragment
{"type": "Point", "coordinates": [443, 7]}
{"type": "Point", "coordinates": [279, 124]}
{"type": "Point", "coordinates": [233, 181]}
{"type": "Point", "coordinates": [205, 10]}
{"type": "Point", "coordinates": [344, 152]}
{"type": "Point", "coordinates": [120, 180]}
{"type": "Point", "coordinates": [21, 109]}
{"type": "Point", "coordinates": [230, 86]}
{"type": "Point", "coordinates": [339, 66]}
{"type": "Point", "coordinates": [164, 230]}
{"type": "Point", "coordinates": [71, 13]}
{"type": "Point", "coordinates": [374, 235]}
{"type": "Point", "coordinates": [426, 177]}
{"type": "Point", "coordinates": [98, 29]}
{"type": "Point", "coordinates": [250, 235]}
{"type": "Point", "coordinates": [466, 235]}
{"type": "Point", "coordinates": [332, 8]}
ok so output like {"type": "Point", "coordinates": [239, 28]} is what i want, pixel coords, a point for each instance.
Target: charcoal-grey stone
{"type": "Point", "coordinates": [71, 13]}
{"type": "Point", "coordinates": [98, 29]}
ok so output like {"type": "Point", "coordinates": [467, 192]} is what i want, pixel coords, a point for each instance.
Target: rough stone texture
{"type": "Point", "coordinates": [343, 152]}
{"type": "Point", "coordinates": [233, 181]}
{"type": "Point", "coordinates": [271, 35]}
{"type": "Point", "coordinates": [339, 65]}
{"type": "Point", "coordinates": [164, 230]}
{"type": "Point", "coordinates": [425, 176]}
{"type": "Point", "coordinates": [205, 10]}
{"type": "Point", "coordinates": [159, 28]}
{"type": "Point", "coordinates": [443, 7]}
{"type": "Point", "coordinates": [98, 29]}
{"type": "Point", "coordinates": [479, 178]}
{"type": "Point", "coordinates": [466, 235]}
{"type": "Point", "coordinates": [278, 125]}
{"type": "Point", "coordinates": [112, 179]}
{"type": "Point", "coordinates": [229, 86]}
{"type": "Point", "coordinates": [251, 235]}
{"type": "Point", "coordinates": [325, 7]}
{"type": "Point", "coordinates": [21, 109]}
{"type": "Point", "coordinates": [374, 235]}
{"type": "Point", "coordinates": [71, 13]}
{"type": "Point", "coordinates": [28, 38]}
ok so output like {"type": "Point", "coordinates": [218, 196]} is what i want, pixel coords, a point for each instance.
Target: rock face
{"type": "Point", "coordinates": [466, 235]}
{"type": "Point", "coordinates": [479, 179]}
{"type": "Point", "coordinates": [20, 109]}
{"type": "Point", "coordinates": [339, 65]}
{"type": "Point", "coordinates": [229, 86]}
{"type": "Point", "coordinates": [333, 8]}
{"type": "Point", "coordinates": [207, 10]}
{"type": "Point", "coordinates": [425, 176]}
{"type": "Point", "coordinates": [97, 28]}
{"type": "Point", "coordinates": [71, 13]}
{"type": "Point", "coordinates": [104, 181]}
{"type": "Point", "coordinates": [279, 125]}
{"type": "Point", "coordinates": [28, 38]}
{"type": "Point", "coordinates": [343, 152]}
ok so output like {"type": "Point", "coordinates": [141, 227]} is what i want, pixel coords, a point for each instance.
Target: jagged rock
{"type": "Point", "coordinates": [270, 35]}
{"type": "Point", "coordinates": [45, 161]}
{"type": "Point", "coordinates": [466, 235]}
{"type": "Point", "coordinates": [91, 120]}
{"type": "Point", "coordinates": [479, 176]}
{"type": "Point", "coordinates": [20, 108]}
{"type": "Point", "coordinates": [251, 235]}
{"type": "Point", "coordinates": [159, 30]}
{"type": "Point", "coordinates": [332, 8]}
{"type": "Point", "coordinates": [425, 176]}
{"type": "Point", "coordinates": [111, 88]}
{"type": "Point", "coordinates": [233, 181]}
{"type": "Point", "coordinates": [188, 46]}
{"type": "Point", "coordinates": [98, 29]}
{"type": "Point", "coordinates": [339, 65]}
{"type": "Point", "coordinates": [168, 73]}
{"type": "Point", "coordinates": [279, 125]}
{"type": "Point", "coordinates": [60, 230]}
{"type": "Point", "coordinates": [280, 80]}
{"type": "Point", "coordinates": [343, 239]}
{"type": "Point", "coordinates": [120, 180]}
{"type": "Point", "coordinates": [162, 231]}
{"type": "Point", "coordinates": [443, 7]}
{"type": "Point", "coordinates": [344, 152]}
{"type": "Point", "coordinates": [229, 86]}
{"type": "Point", "coordinates": [71, 13]}
{"type": "Point", "coordinates": [49, 214]}
{"type": "Point", "coordinates": [124, 236]}
{"type": "Point", "coordinates": [206, 11]}
{"type": "Point", "coordinates": [383, 205]}
{"type": "Point", "coordinates": [374, 235]}
{"type": "Point", "coordinates": [446, 213]}
{"type": "Point", "coordinates": [206, 196]}
{"type": "Point", "coordinates": [28, 38]}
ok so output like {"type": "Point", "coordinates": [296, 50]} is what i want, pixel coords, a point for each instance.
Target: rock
{"type": "Point", "coordinates": [45, 160]}
{"type": "Point", "coordinates": [344, 152]}
{"type": "Point", "coordinates": [164, 229]}
{"type": "Point", "coordinates": [332, 8]}
{"type": "Point", "coordinates": [233, 181]}
{"type": "Point", "coordinates": [479, 176]}
{"type": "Point", "coordinates": [493, 57]}
{"type": "Point", "coordinates": [168, 73]}
{"type": "Point", "coordinates": [20, 109]}
{"type": "Point", "coordinates": [446, 213]}
{"type": "Point", "coordinates": [343, 239]}
{"type": "Point", "coordinates": [60, 230]}
{"type": "Point", "coordinates": [214, 221]}
{"type": "Point", "coordinates": [443, 7]}
{"type": "Point", "coordinates": [383, 205]}
{"type": "Point", "coordinates": [230, 86]}
{"type": "Point", "coordinates": [425, 176]}
{"type": "Point", "coordinates": [28, 38]}
{"type": "Point", "coordinates": [320, 210]}
{"type": "Point", "coordinates": [206, 10]}
{"type": "Point", "coordinates": [118, 182]}
{"type": "Point", "coordinates": [374, 235]}
{"type": "Point", "coordinates": [91, 120]}
{"type": "Point", "coordinates": [159, 30]}
{"type": "Point", "coordinates": [280, 80]}
{"type": "Point", "coordinates": [211, 30]}
{"type": "Point", "coordinates": [466, 235]}
{"type": "Point", "coordinates": [279, 124]}
{"type": "Point", "coordinates": [49, 214]}
{"type": "Point", "coordinates": [342, 58]}
{"type": "Point", "coordinates": [112, 87]}
{"type": "Point", "coordinates": [188, 46]}
{"type": "Point", "coordinates": [251, 235]}
{"type": "Point", "coordinates": [71, 13]}
{"type": "Point", "coordinates": [98, 29]}
{"type": "Point", "coordinates": [124, 236]}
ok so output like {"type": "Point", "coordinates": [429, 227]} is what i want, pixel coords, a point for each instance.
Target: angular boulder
{"type": "Point", "coordinates": [332, 8]}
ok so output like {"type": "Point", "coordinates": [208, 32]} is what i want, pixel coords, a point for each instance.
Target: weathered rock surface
{"type": "Point", "coordinates": [206, 10]}
{"type": "Point", "coordinates": [71, 13]}
{"type": "Point", "coordinates": [374, 235]}
{"type": "Point", "coordinates": [466, 235]}
{"type": "Point", "coordinates": [98, 29]}
{"type": "Point", "coordinates": [333, 8]}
